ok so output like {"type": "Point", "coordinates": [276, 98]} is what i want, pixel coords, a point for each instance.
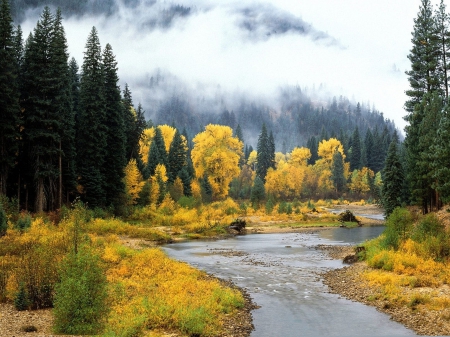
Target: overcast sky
{"type": "Point", "coordinates": [356, 48]}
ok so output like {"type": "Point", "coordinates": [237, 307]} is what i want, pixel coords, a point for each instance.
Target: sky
{"type": "Point", "coordinates": [355, 48]}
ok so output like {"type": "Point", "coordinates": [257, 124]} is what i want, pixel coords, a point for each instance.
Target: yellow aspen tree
{"type": "Point", "coordinates": [144, 143]}
{"type": "Point", "coordinates": [300, 156]}
{"type": "Point", "coordinates": [154, 190]}
{"type": "Point", "coordinates": [327, 148]}
{"type": "Point", "coordinates": [252, 157]}
{"type": "Point", "coordinates": [133, 182]}
{"type": "Point", "coordinates": [167, 132]}
{"type": "Point", "coordinates": [216, 154]}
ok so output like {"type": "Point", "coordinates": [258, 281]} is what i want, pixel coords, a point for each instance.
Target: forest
{"type": "Point", "coordinates": [69, 133]}
{"type": "Point", "coordinates": [83, 166]}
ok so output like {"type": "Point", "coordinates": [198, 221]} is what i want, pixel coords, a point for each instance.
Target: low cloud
{"type": "Point", "coordinates": [263, 21]}
{"type": "Point", "coordinates": [247, 46]}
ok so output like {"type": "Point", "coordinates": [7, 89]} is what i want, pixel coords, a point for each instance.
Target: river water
{"type": "Point", "coordinates": [281, 272]}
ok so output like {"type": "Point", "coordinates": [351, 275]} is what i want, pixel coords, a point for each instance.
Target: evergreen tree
{"type": "Point", "coordinates": [258, 193]}
{"type": "Point", "coordinates": [337, 172]}
{"type": "Point", "coordinates": [186, 180]}
{"type": "Point", "coordinates": [176, 157]}
{"type": "Point", "coordinates": [206, 187]}
{"type": "Point", "coordinates": [9, 96]}
{"type": "Point", "coordinates": [368, 149]}
{"type": "Point", "coordinates": [272, 150]}
{"type": "Point", "coordinates": [44, 99]}
{"type": "Point", "coordinates": [115, 158]}
{"type": "Point", "coordinates": [441, 150]}
{"type": "Point", "coordinates": [64, 110]}
{"type": "Point", "coordinates": [443, 40]}
{"type": "Point", "coordinates": [313, 147]}
{"type": "Point", "coordinates": [157, 154]}
{"type": "Point", "coordinates": [423, 77]}
{"type": "Point", "coordinates": [264, 156]}
{"type": "Point", "coordinates": [134, 124]}
{"type": "Point", "coordinates": [393, 178]}
{"type": "Point", "coordinates": [355, 156]}
{"type": "Point", "coordinates": [376, 162]}
{"type": "Point", "coordinates": [91, 131]}
{"type": "Point", "coordinates": [239, 134]}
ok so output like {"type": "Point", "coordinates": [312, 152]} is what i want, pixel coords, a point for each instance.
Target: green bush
{"type": "Point", "coordinates": [429, 225]}
{"type": "Point", "coordinates": [80, 305]}
{"type": "Point", "coordinates": [24, 222]}
{"type": "Point", "coordinates": [398, 227]}
{"type": "Point", "coordinates": [282, 207]}
{"type": "Point", "coordinates": [21, 301]}
{"type": "Point", "coordinates": [289, 209]}
{"type": "Point", "coordinates": [188, 202]}
{"type": "Point", "coordinates": [269, 205]}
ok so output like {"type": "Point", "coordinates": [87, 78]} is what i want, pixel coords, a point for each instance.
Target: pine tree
{"type": "Point", "coordinates": [441, 160]}
{"type": "Point", "coordinates": [369, 149]}
{"type": "Point", "coordinates": [239, 134]}
{"type": "Point", "coordinates": [64, 109]}
{"type": "Point", "coordinates": [271, 148]}
{"type": "Point", "coordinates": [186, 180]}
{"type": "Point", "coordinates": [264, 156]}
{"type": "Point", "coordinates": [9, 96]}
{"type": "Point", "coordinates": [313, 147]}
{"type": "Point", "coordinates": [355, 157]}
{"type": "Point", "coordinates": [423, 56]}
{"type": "Point", "coordinates": [393, 177]}
{"type": "Point", "coordinates": [115, 158]}
{"type": "Point", "coordinates": [443, 40]}
{"type": "Point", "coordinates": [134, 124]}
{"type": "Point", "coordinates": [207, 190]}
{"type": "Point", "coordinates": [337, 172]}
{"type": "Point", "coordinates": [157, 154]}
{"type": "Point", "coordinates": [91, 130]}
{"type": "Point", "coordinates": [43, 102]}
{"type": "Point", "coordinates": [258, 193]}
{"type": "Point", "coordinates": [176, 159]}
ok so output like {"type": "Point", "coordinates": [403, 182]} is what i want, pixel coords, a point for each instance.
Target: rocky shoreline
{"type": "Point", "coordinates": [348, 283]}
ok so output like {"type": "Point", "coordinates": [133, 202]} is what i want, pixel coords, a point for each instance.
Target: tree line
{"type": "Point", "coordinates": [67, 132]}
{"type": "Point", "coordinates": [424, 157]}
{"type": "Point", "coordinates": [62, 132]}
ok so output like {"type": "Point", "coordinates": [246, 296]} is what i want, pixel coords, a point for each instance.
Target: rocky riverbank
{"type": "Point", "coordinates": [349, 283]}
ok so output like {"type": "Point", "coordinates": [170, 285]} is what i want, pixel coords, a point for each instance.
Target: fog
{"type": "Point", "coordinates": [221, 50]}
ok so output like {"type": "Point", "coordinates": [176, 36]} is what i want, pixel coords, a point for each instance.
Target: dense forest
{"type": "Point", "coordinates": [68, 133]}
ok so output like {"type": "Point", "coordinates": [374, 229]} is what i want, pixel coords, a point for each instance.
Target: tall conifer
{"type": "Point", "coordinates": [393, 178]}
{"type": "Point", "coordinates": [9, 97]}
{"type": "Point", "coordinates": [355, 156]}
{"type": "Point", "coordinates": [115, 158]}
{"type": "Point", "coordinates": [91, 130]}
{"type": "Point", "coordinates": [176, 159]}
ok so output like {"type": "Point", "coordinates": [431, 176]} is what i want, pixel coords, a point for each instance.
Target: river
{"type": "Point", "coordinates": [281, 272]}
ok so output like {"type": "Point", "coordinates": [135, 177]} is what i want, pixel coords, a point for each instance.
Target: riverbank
{"type": "Point", "coordinates": [349, 282]}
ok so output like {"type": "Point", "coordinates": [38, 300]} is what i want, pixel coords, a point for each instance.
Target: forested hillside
{"type": "Point", "coordinates": [294, 116]}
{"type": "Point", "coordinates": [105, 7]}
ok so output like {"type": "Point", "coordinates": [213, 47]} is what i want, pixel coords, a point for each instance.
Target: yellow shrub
{"type": "Point", "coordinates": [184, 216]}
{"type": "Point", "coordinates": [152, 291]}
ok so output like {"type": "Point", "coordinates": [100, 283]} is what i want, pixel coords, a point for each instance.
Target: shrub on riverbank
{"type": "Point", "coordinates": [413, 252]}
{"type": "Point", "coordinates": [145, 289]}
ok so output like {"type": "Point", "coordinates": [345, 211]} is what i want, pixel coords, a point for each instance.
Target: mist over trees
{"type": "Point", "coordinates": [69, 131]}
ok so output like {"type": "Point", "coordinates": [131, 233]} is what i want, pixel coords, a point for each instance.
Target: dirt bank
{"type": "Point", "coordinates": [348, 283]}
